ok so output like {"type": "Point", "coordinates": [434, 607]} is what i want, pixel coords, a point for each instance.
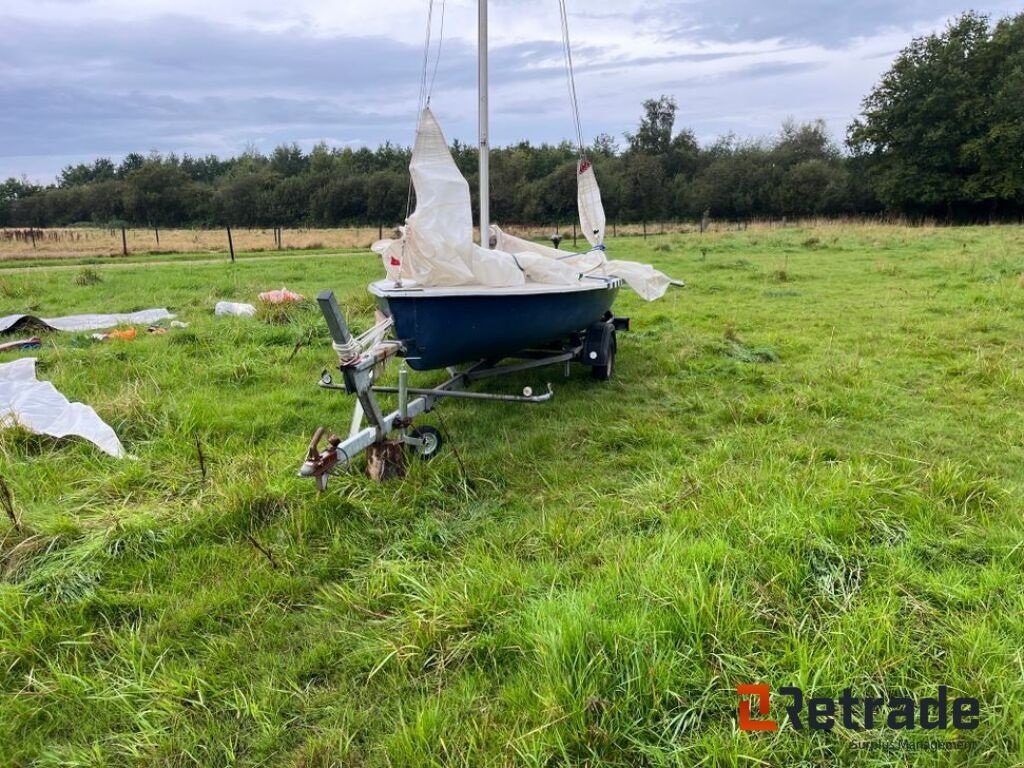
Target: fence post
{"type": "Point", "coordinates": [645, 229]}
{"type": "Point", "coordinates": [124, 243]}
{"type": "Point", "coordinates": [156, 231]}
{"type": "Point", "coordinates": [231, 246]}
{"type": "Point", "coordinates": [574, 234]}
{"type": "Point", "coordinates": [32, 234]}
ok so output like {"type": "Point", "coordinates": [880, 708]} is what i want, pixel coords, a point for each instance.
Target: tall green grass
{"type": "Point", "coordinates": [808, 470]}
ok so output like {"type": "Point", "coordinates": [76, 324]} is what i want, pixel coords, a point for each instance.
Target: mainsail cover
{"type": "Point", "coordinates": [436, 245]}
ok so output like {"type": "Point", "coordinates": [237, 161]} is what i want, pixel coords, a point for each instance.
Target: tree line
{"type": "Point", "coordinates": [941, 135]}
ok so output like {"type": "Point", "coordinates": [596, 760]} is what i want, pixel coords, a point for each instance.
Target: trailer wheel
{"type": "Point", "coordinates": [432, 442]}
{"type": "Point", "coordinates": [606, 370]}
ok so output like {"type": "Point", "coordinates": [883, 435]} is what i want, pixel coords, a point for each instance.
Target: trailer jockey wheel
{"type": "Point", "coordinates": [606, 370]}
{"type": "Point", "coordinates": [431, 442]}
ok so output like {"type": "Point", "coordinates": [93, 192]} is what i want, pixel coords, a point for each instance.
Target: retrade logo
{"type": "Point", "coordinates": [821, 713]}
{"type": "Point", "coordinates": [762, 693]}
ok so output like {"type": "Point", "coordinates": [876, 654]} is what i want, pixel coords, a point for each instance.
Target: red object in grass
{"type": "Point", "coordinates": [283, 296]}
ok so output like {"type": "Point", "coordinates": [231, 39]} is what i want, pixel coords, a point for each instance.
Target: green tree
{"type": "Point", "coordinates": [204, 169]}
{"type": "Point", "coordinates": [605, 146]}
{"type": "Point", "coordinates": [737, 182]}
{"type": "Point", "coordinates": [644, 193]}
{"type": "Point", "coordinates": [290, 200]}
{"type": "Point", "coordinates": [288, 160]}
{"type": "Point", "coordinates": [654, 134]}
{"type": "Point", "coordinates": [245, 198]}
{"type": "Point", "coordinates": [157, 194]}
{"type": "Point", "coordinates": [386, 195]}
{"type": "Point", "coordinates": [342, 200]}
{"type": "Point", "coordinates": [806, 166]}
{"type": "Point", "coordinates": [132, 162]}
{"type": "Point", "coordinates": [11, 192]}
{"type": "Point", "coordinates": [928, 125]}
{"type": "Point", "coordinates": [682, 155]}
{"type": "Point", "coordinates": [800, 142]}
{"type": "Point", "coordinates": [101, 169]}
{"type": "Point", "coordinates": [997, 153]}
{"type": "Point", "coordinates": [103, 202]}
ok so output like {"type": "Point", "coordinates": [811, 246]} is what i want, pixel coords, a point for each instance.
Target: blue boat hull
{"type": "Point", "coordinates": [440, 331]}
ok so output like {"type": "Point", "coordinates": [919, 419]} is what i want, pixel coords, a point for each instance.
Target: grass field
{"type": "Point", "coordinates": [809, 470]}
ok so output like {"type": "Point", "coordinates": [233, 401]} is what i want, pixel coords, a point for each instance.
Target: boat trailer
{"type": "Point", "coordinates": [360, 359]}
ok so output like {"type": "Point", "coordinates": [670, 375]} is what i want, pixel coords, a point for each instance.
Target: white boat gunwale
{"type": "Point", "coordinates": [387, 289]}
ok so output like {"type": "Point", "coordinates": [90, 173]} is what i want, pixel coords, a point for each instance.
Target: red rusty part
{"type": "Point", "coordinates": [324, 461]}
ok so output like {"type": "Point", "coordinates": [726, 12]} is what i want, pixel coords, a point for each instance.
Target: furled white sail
{"type": "Point", "coordinates": [436, 246]}
{"type": "Point", "coordinates": [588, 198]}
{"type": "Point", "coordinates": [647, 282]}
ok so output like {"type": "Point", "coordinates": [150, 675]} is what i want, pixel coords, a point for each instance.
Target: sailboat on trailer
{"type": "Point", "coordinates": [449, 300]}
{"type": "Point", "coordinates": [452, 300]}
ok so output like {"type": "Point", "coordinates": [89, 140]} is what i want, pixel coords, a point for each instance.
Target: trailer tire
{"type": "Point", "coordinates": [606, 370]}
{"type": "Point", "coordinates": [432, 442]}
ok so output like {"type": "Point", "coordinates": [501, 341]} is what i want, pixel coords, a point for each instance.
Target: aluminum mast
{"type": "Point", "coordinates": [482, 86]}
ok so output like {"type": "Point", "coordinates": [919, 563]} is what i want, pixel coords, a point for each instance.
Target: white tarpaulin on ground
{"type": "Point", "coordinates": [77, 323]}
{"type": "Point", "coordinates": [437, 249]}
{"type": "Point", "coordinates": [39, 407]}
{"type": "Point", "coordinates": [229, 308]}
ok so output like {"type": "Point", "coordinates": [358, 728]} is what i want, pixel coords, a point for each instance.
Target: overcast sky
{"type": "Point", "coordinates": [87, 78]}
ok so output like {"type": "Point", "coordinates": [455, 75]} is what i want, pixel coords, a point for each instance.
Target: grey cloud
{"type": "Point", "coordinates": [180, 54]}
{"type": "Point", "coordinates": [180, 84]}
{"type": "Point", "coordinates": [69, 120]}
{"type": "Point", "coordinates": [824, 22]}
{"type": "Point", "coordinates": [183, 53]}
{"type": "Point", "coordinates": [769, 69]}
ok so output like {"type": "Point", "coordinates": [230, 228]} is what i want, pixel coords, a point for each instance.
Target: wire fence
{"type": "Point", "coordinates": [73, 242]}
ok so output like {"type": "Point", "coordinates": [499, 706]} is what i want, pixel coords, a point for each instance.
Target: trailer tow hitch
{"type": "Point", "coordinates": [319, 464]}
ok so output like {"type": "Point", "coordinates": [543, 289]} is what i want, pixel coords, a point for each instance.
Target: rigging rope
{"type": "Point", "coordinates": [570, 77]}
{"type": "Point", "coordinates": [426, 57]}
{"type": "Point", "coordinates": [356, 345]}
{"type": "Point", "coordinates": [427, 85]}
{"type": "Point", "coordinates": [437, 59]}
